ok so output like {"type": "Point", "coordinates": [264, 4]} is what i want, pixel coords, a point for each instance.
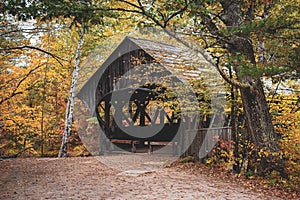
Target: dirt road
{"type": "Point", "coordinates": [87, 178]}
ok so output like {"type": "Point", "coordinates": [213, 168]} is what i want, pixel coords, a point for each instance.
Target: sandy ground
{"type": "Point", "coordinates": [87, 178]}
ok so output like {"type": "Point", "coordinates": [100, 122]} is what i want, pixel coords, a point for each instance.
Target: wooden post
{"type": "Point", "coordinates": [142, 108]}
{"type": "Point", "coordinates": [107, 106]}
{"type": "Point", "coordinates": [162, 116]}
{"type": "Point", "coordinates": [107, 117]}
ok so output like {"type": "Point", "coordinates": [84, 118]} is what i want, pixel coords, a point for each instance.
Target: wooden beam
{"type": "Point", "coordinates": [123, 115]}
{"type": "Point", "coordinates": [142, 114]}
{"type": "Point", "coordinates": [107, 117]}
{"type": "Point", "coordinates": [155, 116]}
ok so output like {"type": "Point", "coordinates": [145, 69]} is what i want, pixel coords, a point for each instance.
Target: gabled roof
{"type": "Point", "coordinates": [178, 60]}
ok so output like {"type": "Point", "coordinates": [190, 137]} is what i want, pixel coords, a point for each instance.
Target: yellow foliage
{"type": "Point", "coordinates": [287, 123]}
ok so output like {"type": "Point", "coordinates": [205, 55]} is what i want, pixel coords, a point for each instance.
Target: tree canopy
{"type": "Point", "coordinates": [253, 45]}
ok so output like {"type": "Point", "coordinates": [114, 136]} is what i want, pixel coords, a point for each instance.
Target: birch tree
{"type": "Point", "coordinates": [70, 104]}
{"type": "Point", "coordinates": [81, 14]}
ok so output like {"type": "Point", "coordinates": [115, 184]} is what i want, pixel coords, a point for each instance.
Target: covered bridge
{"type": "Point", "coordinates": [137, 94]}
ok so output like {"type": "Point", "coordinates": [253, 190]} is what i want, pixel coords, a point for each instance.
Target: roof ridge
{"type": "Point", "coordinates": [148, 40]}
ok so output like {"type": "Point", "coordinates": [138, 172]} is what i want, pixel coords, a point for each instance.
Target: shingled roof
{"type": "Point", "coordinates": [179, 60]}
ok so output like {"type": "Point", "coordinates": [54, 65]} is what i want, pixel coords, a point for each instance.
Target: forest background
{"type": "Point", "coordinates": [249, 40]}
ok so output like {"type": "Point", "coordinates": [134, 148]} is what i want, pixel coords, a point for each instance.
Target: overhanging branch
{"type": "Point", "coordinates": [209, 60]}
{"type": "Point", "coordinates": [57, 58]}
{"type": "Point", "coordinates": [211, 26]}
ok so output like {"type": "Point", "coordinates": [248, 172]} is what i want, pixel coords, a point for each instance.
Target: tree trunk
{"type": "Point", "coordinates": [70, 104]}
{"type": "Point", "coordinates": [255, 106]}
{"type": "Point", "coordinates": [234, 124]}
{"type": "Point", "coordinates": [258, 118]}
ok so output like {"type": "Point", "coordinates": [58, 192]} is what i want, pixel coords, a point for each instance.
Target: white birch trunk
{"type": "Point", "coordinates": [70, 104]}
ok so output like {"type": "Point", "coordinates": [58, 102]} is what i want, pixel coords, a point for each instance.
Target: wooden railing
{"type": "Point", "coordinates": [205, 139]}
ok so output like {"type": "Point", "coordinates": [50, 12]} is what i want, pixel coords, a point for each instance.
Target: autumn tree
{"type": "Point", "coordinates": [246, 37]}
{"type": "Point", "coordinates": [248, 40]}
{"type": "Point", "coordinates": [33, 85]}
{"type": "Point", "coordinates": [87, 17]}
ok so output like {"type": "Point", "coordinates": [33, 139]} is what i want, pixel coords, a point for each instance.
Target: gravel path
{"type": "Point", "coordinates": [87, 178]}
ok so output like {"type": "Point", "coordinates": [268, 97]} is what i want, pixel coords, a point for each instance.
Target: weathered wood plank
{"type": "Point", "coordinates": [206, 138]}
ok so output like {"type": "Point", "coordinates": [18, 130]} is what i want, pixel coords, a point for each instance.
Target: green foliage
{"type": "Point", "coordinates": [80, 11]}
{"type": "Point", "coordinates": [278, 31]}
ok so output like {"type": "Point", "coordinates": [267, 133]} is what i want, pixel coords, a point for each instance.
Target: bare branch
{"type": "Point", "coordinates": [10, 96]}
{"type": "Point", "coordinates": [124, 10]}
{"type": "Point", "coordinates": [132, 4]}
{"type": "Point", "coordinates": [26, 30]}
{"type": "Point", "coordinates": [210, 25]}
{"type": "Point", "coordinates": [27, 75]}
{"type": "Point", "coordinates": [230, 80]}
{"type": "Point", "coordinates": [147, 14]}
{"type": "Point", "coordinates": [57, 58]}
{"type": "Point", "coordinates": [177, 13]}
{"type": "Point", "coordinates": [15, 93]}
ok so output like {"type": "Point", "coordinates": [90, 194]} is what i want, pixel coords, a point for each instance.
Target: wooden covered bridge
{"type": "Point", "coordinates": [135, 109]}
